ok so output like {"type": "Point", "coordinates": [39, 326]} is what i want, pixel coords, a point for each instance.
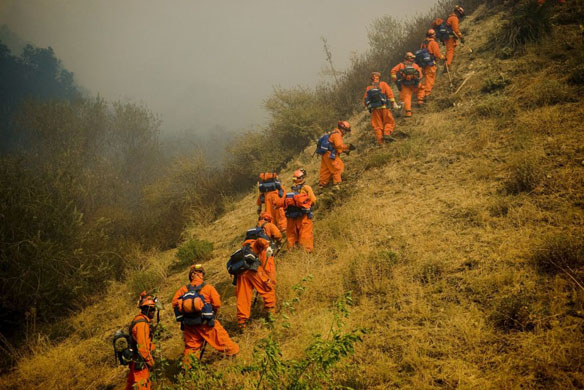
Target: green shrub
{"type": "Point", "coordinates": [377, 159]}
{"type": "Point", "coordinates": [513, 313]}
{"type": "Point", "coordinates": [547, 93]}
{"type": "Point", "coordinates": [525, 173]}
{"type": "Point", "coordinates": [529, 23]}
{"type": "Point", "coordinates": [145, 280]}
{"type": "Point", "coordinates": [561, 254]}
{"type": "Point", "coordinates": [493, 84]}
{"type": "Point", "coordinates": [193, 251]}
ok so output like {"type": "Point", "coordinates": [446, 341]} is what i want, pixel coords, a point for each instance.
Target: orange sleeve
{"type": "Point", "coordinates": [453, 23]}
{"type": "Point", "coordinates": [141, 333]}
{"type": "Point", "coordinates": [386, 89]}
{"type": "Point", "coordinates": [273, 232]}
{"type": "Point", "coordinates": [337, 141]}
{"type": "Point", "coordinates": [210, 293]}
{"type": "Point", "coordinates": [419, 71]}
{"type": "Point", "coordinates": [396, 69]}
{"type": "Point", "coordinates": [434, 49]}
{"type": "Point", "coordinates": [177, 295]}
{"type": "Point", "coordinates": [308, 190]}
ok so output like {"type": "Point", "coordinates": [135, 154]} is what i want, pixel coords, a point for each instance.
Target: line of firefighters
{"type": "Point", "coordinates": [414, 77]}
{"type": "Point", "coordinates": [253, 266]}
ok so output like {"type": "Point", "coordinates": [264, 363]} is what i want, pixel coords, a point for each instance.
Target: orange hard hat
{"type": "Point", "coordinates": [196, 268]}
{"type": "Point", "coordinates": [409, 56]}
{"type": "Point", "coordinates": [344, 125]}
{"type": "Point", "coordinates": [299, 175]}
{"type": "Point", "coordinates": [459, 10]}
{"type": "Point", "coordinates": [146, 300]}
{"type": "Point", "coordinates": [266, 216]}
{"type": "Point", "coordinates": [431, 33]}
{"type": "Point", "coordinates": [189, 306]}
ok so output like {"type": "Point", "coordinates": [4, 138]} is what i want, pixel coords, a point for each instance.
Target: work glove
{"type": "Point", "coordinates": [269, 252]}
{"type": "Point", "coordinates": [259, 210]}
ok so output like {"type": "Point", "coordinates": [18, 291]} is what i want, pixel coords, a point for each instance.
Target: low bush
{"type": "Point", "coordinates": [529, 22]}
{"type": "Point", "coordinates": [525, 173]}
{"type": "Point", "coordinates": [193, 251]}
{"type": "Point", "coordinates": [513, 313]}
{"type": "Point", "coordinates": [430, 271]}
{"type": "Point", "coordinates": [145, 280]}
{"type": "Point", "coordinates": [562, 253]}
{"type": "Point", "coordinates": [378, 159]}
{"type": "Point", "coordinates": [493, 84]}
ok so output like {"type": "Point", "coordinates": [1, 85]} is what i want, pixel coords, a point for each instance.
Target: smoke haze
{"type": "Point", "coordinates": [200, 65]}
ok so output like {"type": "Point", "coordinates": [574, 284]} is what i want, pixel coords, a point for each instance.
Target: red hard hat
{"type": "Point", "coordinates": [146, 300]}
{"type": "Point", "coordinates": [431, 32]}
{"type": "Point", "coordinates": [266, 216]}
{"type": "Point", "coordinates": [344, 125]}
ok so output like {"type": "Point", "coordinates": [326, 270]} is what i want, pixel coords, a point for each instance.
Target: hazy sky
{"type": "Point", "coordinates": [198, 63]}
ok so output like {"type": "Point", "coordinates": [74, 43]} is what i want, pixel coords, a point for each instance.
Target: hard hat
{"type": "Point", "coordinates": [299, 176]}
{"type": "Point", "coordinates": [196, 268]}
{"type": "Point", "coordinates": [409, 56]}
{"type": "Point", "coordinates": [431, 33]}
{"type": "Point", "coordinates": [146, 300]}
{"type": "Point", "coordinates": [459, 10]}
{"type": "Point", "coordinates": [266, 216]}
{"type": "Point", "coordinates": [189, 306]}
{"type": "Point", "coordinates": [378, 74]}
{"type": "Point", "coordinates": [344, 125]}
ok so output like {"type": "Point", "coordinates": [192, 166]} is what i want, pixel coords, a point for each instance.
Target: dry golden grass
{"type": "Point", "coordinates": [436, 249]}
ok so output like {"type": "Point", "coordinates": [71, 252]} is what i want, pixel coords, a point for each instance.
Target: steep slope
{"type": "Point", "coordinates": [446, 238]}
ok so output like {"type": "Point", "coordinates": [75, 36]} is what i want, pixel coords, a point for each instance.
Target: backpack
{"type": "Point", "coordinates": [443, 30]}
{"type": "Point", "coordinates": [423, 57]}
{"type": "Point", "coordinates": [241, 260]}
{"type": "Point", "coordinates": [186, 311]}
{"type": "Point", "coordinates": [125, 348]}
{"type": "Point", "coordinates": [296, 205]}
{"type": "Point", "coordinates": [375, 98]}
{"type": "Point", "coordinates": [323, 145]}
{"type": "Point", "coordinates": [270, 182]}
{"type": "Point", "coordinates": [256, 232]}
{"type": "Point", "coordinates": [408, 76]}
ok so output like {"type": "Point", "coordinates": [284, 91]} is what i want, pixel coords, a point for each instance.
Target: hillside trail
{"type": "Point", "coordinates": [422, 233]}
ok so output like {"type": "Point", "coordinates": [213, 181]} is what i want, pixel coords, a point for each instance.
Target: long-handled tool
{"type": "Point", "coordinates": [203, 350]}
{"type": "Point", "coordinates": [449, 76]}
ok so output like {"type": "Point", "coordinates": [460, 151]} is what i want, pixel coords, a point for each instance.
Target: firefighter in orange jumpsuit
{"type": "Point", "coordinates": [407, 76]}
{"type": "Point", "coordinates": [272, 231]}
{"type": "Point", "coordinates": [452, 22]}
{"type": "Point", "coordinates": [381, 119]}
{"type": "Point", "coordinates": [331, 164]}
{"type": "Point", "coordinates": [196, 335]}
{"type": "Point", "coordinates": [139, 375]}
{"type": "Point", "coordinates": [267, 199]}
{"type": "Point", "coordinates": [429, 71]}
{"type": "Point", "coordinates": [259, 280]}
{"type": "Point", "coordinates": [299, 228]}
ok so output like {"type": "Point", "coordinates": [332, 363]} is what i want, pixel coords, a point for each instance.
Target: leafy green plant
{"type": "Point", "coordinates": [192, 251]}
{"type": "Point", "coordinates": [493, 84]}
{"type": "Point", "coordinates": [529, 22]}
{"type": "Point", "coordinates": [513, 313]}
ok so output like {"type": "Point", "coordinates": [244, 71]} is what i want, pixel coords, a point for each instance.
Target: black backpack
{"type": "Point", "coordinates": [125, 348]}
{"type": "Point", "coordinates": [375, 99]}
{"type": "Point", "coordinates": [242, 260]}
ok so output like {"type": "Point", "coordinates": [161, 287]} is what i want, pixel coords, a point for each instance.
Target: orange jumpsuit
{"type": "Point", "coordinates": [381, 119]}
{"type": "Point", "coordinates": [277, 215]}
{"type": "Point", "coordinates": [196, 335]}
{"type": "Point", "coordinates": [299, 230]}
{"type": "Point", "coordinates": [451, 43]}
{"type": "Point", "coordinates": [333, 168]}
{"type": "Point", "coordinates": [429, 71]}
{"type": "Point", "coordinates": [406, 91]}
{"type": "Point", "coordinates": [260, 280]}
{"type": "Point", "coordinates": [273, 232]}
{"type": "Point", "coordinates": [140, 379]}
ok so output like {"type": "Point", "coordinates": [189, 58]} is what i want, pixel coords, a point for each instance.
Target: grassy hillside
{"type": "Point", "coordinates": [462, 244]}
